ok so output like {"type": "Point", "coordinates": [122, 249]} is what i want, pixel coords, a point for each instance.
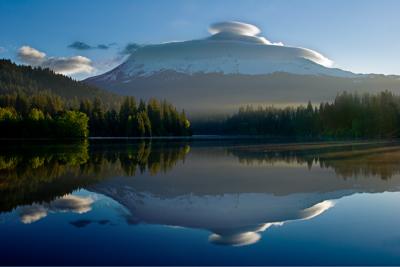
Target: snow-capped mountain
{"type": "Point", "coordinates": [234, 48]}
{"type": "Point", "coordinates": [234, 66]}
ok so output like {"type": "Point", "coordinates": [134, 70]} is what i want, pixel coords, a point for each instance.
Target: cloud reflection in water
{"type": "Point", "coordinates": [67, 203]}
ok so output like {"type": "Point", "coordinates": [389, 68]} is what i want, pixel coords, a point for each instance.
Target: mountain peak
{"type": "Point", "coordinates": [233, 48]}
{"type": "Point", "coordinates": [233, 66]}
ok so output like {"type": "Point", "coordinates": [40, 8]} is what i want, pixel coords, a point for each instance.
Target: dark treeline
{"type": "Point", "coordinates": [154, 118]}
{"type": "Point", "coordinates": [44, 115]}
{"type": "Point", "coordinates": [347, 159]}
{"type": "Point", "coordinates": [348, 116]}
{"type": "Point", "coordinates": [36, 173]}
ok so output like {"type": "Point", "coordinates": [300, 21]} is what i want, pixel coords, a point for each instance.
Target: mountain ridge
{"type": "Point", "coordinates": [31, 80]}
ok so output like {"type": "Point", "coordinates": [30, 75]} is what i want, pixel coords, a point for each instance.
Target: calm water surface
{"type": "Point", "coordinates": [199, 203]}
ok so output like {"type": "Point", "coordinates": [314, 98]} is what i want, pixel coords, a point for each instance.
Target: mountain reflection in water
{"type": "Point", "coordinates": [234, 191]}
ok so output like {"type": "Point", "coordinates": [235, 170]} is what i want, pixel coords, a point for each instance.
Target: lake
{"type": "Point", "coordinates": [199, 202]}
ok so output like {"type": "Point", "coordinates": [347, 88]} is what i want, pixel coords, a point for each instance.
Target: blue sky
{"type": "Point", "coordinates": [358, 35]}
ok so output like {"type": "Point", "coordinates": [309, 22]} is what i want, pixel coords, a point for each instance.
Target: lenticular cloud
{"type": "Point", "coordinates": [244, 32]}
{"type": "Point", "coordinates": [235, 27]}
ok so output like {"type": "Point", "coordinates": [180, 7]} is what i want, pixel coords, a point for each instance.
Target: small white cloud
{"type": "Point", "coordinates": [71, 203]}
{"type": "Point", "coordinates": [2, 49]}
{"type": "Point", "coordinates": [67, 203]}
{"type": "Point", "coordinates": [69, 65]}
{"type": "Point", "coordinates": [63, 65]}
{"type": "Point", "coordinates": [32, 214]}
{"type": "Point", "coordinates": [31, 55]}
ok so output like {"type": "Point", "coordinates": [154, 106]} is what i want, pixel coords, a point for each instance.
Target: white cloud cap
{"type": "Point", "coordinates": [240, 31]}
{"type": "Point", "coordinates": [248, 33]}
{"type": "Point", "coordinates": [235, 27]}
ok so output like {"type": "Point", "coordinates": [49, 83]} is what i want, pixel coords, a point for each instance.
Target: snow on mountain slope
{"type": "Point", "coordinates": [234, 48]}
{"type": "Point", "coordinates": [231, 68]}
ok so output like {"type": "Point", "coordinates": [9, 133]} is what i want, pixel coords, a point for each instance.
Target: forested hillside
{"type": "Point", "coordinates": [28, 80]}
{"type": "Point", "coordinates": [38, 103]}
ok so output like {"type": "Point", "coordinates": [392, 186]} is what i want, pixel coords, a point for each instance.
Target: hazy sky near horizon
{"type": "Point", "coordinates": [358, 35]}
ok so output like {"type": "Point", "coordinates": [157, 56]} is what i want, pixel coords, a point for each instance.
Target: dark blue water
{"type": "Point", "coordinates": [180, 203]}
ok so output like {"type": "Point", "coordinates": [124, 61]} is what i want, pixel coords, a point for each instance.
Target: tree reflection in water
{"type": "Point", "coordinates": [219, 189]}
{"type": "Point", "coordinates": [39, 173]}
